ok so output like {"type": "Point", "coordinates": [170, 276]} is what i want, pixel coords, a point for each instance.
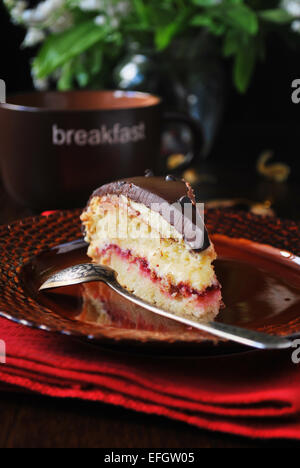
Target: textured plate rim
{"type": "Point", "coordinates": [74, 214]}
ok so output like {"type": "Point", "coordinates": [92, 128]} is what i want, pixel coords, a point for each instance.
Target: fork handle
{"type": "Point", "coordinates": [240, 335]}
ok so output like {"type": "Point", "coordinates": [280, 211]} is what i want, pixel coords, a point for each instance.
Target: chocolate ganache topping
{"type": "Point", "coordinates": [159, 193]}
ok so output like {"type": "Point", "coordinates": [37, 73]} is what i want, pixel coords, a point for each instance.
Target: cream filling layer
{"type": "Point", "coordinates": [122, 222]}
{"type": "Point", "coordinates": [129, 275]}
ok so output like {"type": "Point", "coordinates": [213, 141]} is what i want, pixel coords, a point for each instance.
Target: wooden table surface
{"type": "Point", "coordinates": [34, 421]}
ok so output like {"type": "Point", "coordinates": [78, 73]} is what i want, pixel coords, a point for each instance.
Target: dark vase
{"type": "Point", "coordinates": [189, 76]}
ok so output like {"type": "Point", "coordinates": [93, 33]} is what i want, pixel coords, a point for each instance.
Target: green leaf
{"type": "Point", "coordinates": [231, 43]}
{"type": "Point", "coordinates": [202, 20]}
{"type": "Point", "coordinates": [81, 73]}
{"type": "Point", "coordinates": [65, 81]}
{"type": "Point", "coordinates": [95, 60]}
{"type": "Point", "coordinates": [88, 65]}
{"type": "Point", "coordinates": [239, 16]}
{"type": "Point", "coordinates": [165, 34]}
{"type": "Point", "coordinates": [59, 49]}
{"type": "Point", "coordinates": [244, 64]}
{"type": "Point", "coordinates": [141, 11]}
{"type": "Point", "coordinates": [208, 22]}
{"type": "Point", "coordinates": [83, 79]}
{"type": "Point", "coordinates": [205, 3]}
{"type": "Point", "coordinates": [276, 16]}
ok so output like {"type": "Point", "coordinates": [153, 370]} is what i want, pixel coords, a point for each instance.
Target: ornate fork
{"type": "Point", "coordinates": [87, 272]}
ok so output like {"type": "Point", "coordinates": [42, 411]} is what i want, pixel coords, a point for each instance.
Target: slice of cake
{"type": "Point", "coordinates": [149, 230]}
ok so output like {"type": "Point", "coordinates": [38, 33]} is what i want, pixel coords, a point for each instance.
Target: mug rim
{"type": "Point", "coordinates": [47, 109]}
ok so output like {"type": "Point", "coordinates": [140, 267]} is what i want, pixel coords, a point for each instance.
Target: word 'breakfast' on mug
{"type": "Point", "coordinates": [116, 134]}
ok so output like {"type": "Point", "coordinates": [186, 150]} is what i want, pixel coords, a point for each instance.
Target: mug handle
{"type": "Point", "coordinates": [196, 129]}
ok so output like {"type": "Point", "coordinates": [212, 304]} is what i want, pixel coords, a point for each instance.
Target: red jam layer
{"type": "Point", "coordinates": [183, 289]}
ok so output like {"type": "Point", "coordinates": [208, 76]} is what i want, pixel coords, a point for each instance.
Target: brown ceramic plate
{"type": "Point", "coordinates": [261, 284]}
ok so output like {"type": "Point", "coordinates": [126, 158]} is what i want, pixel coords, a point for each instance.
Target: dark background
{"type": "Point", "coordinates": [266, 109]}
{"type": "Point", "coordinates": [265, 118]}
{"type": "Point", "coordinates": [14, 64]}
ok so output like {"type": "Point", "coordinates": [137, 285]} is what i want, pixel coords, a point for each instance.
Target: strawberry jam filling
{"type": "Point", "coordinates": [182, 289]}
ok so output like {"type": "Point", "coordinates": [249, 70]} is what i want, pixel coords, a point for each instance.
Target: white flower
{"type": "Point", "coordinates": [291, 6]}
{"type": "Point", "coordinates": [110, 10]}
{"type": "Point", "coordinates": [114, 22]}
{"type": "Point", "coordinates": [100, 20]}
{"type": "Point", "coordinates": [34, 36]}
{"type": "Point", "coordinates": [63, 22]}
{"type": "Point", "coordinates": [296, 26]}
{"type": "Point", "coordinates": [9, 3]}
{"type": "Point", "coordinates": [91, 5]}
{"type": "Point", "coordinates": [41, 84]}
{"type": "Point", "coordinates": [123, 7]}
{"type": "Point", "coordinates": [17, 11]}
{"type": "Point", "coordinates": [42, 12]}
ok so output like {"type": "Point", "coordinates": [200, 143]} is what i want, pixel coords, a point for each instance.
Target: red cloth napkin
{"type": "Point", "coordinates": [254, 394]}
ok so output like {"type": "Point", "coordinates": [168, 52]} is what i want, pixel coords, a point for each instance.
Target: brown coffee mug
{"type": "Point", "coordinates": [56, 147]}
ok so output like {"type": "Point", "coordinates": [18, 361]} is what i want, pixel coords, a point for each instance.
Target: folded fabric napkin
{"type": "Point", "coordinates": [254, 394]}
